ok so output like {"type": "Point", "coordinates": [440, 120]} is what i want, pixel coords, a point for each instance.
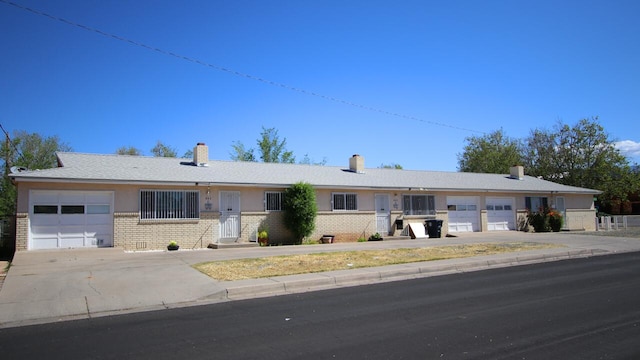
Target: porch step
{"type": "Point", "coordinates": [385, 238]}
{"type": "Point", "coordinates": [233, 245]}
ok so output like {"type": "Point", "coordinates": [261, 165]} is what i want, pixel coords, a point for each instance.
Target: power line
{"type": "Point", "coordinates": [10, 144]}
{"type": "Point", "coordinates": [234, 72]}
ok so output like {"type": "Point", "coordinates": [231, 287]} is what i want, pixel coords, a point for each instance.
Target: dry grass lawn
{"type": "Point", "coordinates": [230, 270]}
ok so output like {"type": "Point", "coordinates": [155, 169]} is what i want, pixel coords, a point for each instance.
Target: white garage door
{"type": "Point", "coordinates": [70, 219]}
{"type": "Point", "coordinates": [463, 213]}
{"type": "Point", "coordinates": [500, 214]}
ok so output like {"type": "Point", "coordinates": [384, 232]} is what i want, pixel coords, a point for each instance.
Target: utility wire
{"type": "Point", "coordinates": [10, 144]}
{"type": "Point", "coordinates": [234, 72]}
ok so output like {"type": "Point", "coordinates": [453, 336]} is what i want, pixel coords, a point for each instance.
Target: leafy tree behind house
{"type": "Point", "coordinates": [492, 153]}
{"type": "Point", "coordinates": [581, 155]}
{"type": "Point", "coordinates": [128, 150]}
{"type": "Point", "coordinates": [391, 166]}
{"type": "Point", "coordinates": [188, 154]}
{"type": "Point", "coordinates": [162, 150]}
{"type": "Point", "coordinates": [306, 160]}
{"type": "Point", "coordinates": [27, 150]}
{"type": "Point", "coordinates": [272, 149]}
{"type": "Point", "coordinates": [240, 153]}
{"type": "Point", "coordinates": [300, 210]}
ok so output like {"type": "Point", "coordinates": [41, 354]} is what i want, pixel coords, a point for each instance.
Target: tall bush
{"type": "Point", "coordinates": [300, 210]}
{"type": "Point", "coordinates": [545, 220]}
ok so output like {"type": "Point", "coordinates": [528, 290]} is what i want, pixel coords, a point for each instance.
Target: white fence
{"type": "Point", "coordinates": [606, 223]}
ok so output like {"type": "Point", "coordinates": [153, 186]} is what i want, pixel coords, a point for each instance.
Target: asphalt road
{"type": "Point", "coordinates": [574, 309]}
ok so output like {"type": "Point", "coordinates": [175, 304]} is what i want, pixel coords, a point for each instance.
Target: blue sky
{"type": "Point", "coordinates": [448, 69]}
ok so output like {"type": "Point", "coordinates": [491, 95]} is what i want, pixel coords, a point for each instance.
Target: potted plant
{"type": "Point", "coordinates": [326, 239]}
{"type": "Point", "coordinates": [375, 237]}
{"type": "Point", "coordinates": [173, 246]}
{"type": "Point", "coordinates": [263, 238]}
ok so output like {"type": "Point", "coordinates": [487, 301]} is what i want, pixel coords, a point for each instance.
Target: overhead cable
{"type": "Point", "coordinates": [234, 72]}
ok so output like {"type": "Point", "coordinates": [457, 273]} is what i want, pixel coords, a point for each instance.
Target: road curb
{"type": "Point", "coordinates": [292, 284]}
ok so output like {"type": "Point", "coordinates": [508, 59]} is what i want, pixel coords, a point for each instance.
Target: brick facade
{"type": "Point", "coordinates": [345, 226]}
{"type": "Point", "coordinates": [134, 234]}
{"type": "Point", "coordinates": [22, 231]}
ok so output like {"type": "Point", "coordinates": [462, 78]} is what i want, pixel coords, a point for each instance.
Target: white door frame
{"type": "Point", "coordinates": [383, 213]}
{"type": "Point", "coordinates": [229, 216]}
{"type": "Point", "coordinates": [561, 207]}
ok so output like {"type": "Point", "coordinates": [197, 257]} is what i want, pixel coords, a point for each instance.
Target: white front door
{"type": "Point", "coordinates": [383, 214]}
{"type": "Point", "coordinates": [229, 216]}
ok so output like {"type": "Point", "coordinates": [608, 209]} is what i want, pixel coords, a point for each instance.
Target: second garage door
{"type": "Point", "coordinates": [463, 213]}
{"type": "Point", "coordinates": [500, 214]}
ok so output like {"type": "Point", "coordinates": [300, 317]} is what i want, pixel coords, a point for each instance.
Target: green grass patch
{"type": "Point", "coordinates": [254, 268]}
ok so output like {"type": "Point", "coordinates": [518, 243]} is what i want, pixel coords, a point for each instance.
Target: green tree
{"type": "Point", "coordinates": [26, 150]}
{"type": "Point", "coordinates": [391, 166]}
{"type": "Point", "coordinates": [306, 160]}
{"type": "Point", "coordinates": [580, 155]}
{"type": "Point", "coordinates": [300, 210]}
{"type": "Point", "coordinates": [188, 154]}
{"type": "Point", "coordinates": [128, 150]}
{"type": "Point", "coordinates": [272, 149]}
{"type": "Point", "coordinates": [162, 150]}
{"type": "Point", "coordinates": [240, 153]}
{"type": "Point", "coordinates": [491, 153]}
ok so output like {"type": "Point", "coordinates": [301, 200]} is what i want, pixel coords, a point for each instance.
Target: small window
{"type": "Point", "coordinates": [72, 209]}
{"type": "Point", "coordinates": [499, 207]}
{"type": "Point", "coordinates": [461, 207]}
{"type": "Point", "coordinates": [490, 207]}
{"type": "Point", "coordinates": [342, 201]}
{"type": "Point", "coordinates": [98, 209]}
{"type": "Point", "coordinates": [471, 207]}
{"type": "Point", "coordinates": [45, 209]}
{"type": "Point", "coordinates": [535, 203]}
{"type": "Point", "coordinates": [451, 207]}
{"type": "Point", "coordinates": [273, 200]}
{"type": "Point", "coordinates": [507, 207]}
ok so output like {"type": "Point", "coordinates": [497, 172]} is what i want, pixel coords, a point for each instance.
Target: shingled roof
{"type": "Point", "coordinates": [97, 168]}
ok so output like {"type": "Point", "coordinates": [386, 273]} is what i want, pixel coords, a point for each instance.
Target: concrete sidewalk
{"type": "Point", "coordinates": [59, 285]}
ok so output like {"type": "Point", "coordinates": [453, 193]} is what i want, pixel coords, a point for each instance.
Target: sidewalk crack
{"type": "Point", "coordinates": [86, 302]}
{"type": "Point", "coordinates": [91, 285]}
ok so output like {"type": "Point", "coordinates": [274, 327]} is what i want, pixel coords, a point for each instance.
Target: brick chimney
{"type": "Point", "coordinates": [517, 172]}
{"type": "Point", "coordinates": [201, 154]}
{"type": "Point", "coordinates": [356, 164]}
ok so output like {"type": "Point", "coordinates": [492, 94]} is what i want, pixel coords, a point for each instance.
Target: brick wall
{"type": "Point", "coordinates": [22, 231]}
{"type": "Point", "coordinates": [577, 219]}
{"type": "Point", "coordinates": [345, 226]}
{"type": "Point", "coordinates": [133, 234]}
{"type": "Point", "coordinates": [251, 222]}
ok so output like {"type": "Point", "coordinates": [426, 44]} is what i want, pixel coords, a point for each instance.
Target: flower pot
{"type": "Point", "coordinates": [173, 247]}
{"type": "Point", "coordinates": [263, 241]}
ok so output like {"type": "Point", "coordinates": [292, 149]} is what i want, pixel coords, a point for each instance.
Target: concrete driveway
{"type": "Point", "coordinates": [56, 285]}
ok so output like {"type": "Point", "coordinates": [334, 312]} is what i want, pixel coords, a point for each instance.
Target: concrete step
{"type": "Point", "coordinates": [233, 245]}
